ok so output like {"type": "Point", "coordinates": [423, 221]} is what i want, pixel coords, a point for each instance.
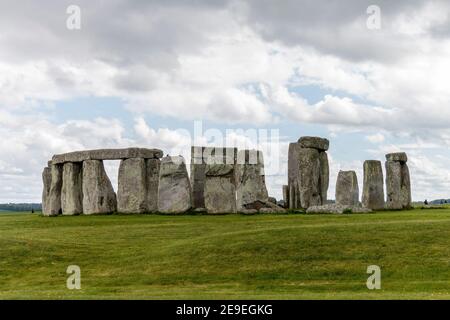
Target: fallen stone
{"type": "Point", "coordinates": [347, 191]}
{"type": "Point", "coordinates": [98, 194]}
{"type": "Point", "coordinates": [72, 189]}
{"type": "Point", "coordinates": [248, 211]}
{"type": "Point", "coordinates": [174, 190]}
{"type": "Point", "coordinates": [132, 191]}
{"type": "Point", "coordinates": [373, 193]}
{"type": "Point", "coordinates": [337, 209]}
{"type": "Point", "coordinates": [398, 156]}
{"type": "Point", "coordinates": [314, 142]}
{"type": "Point", "coordinates": [107, 154]}
{"type": "Point", "coordinates": [272, 200]}
{"type": "Point", "coordinates": [200, 210]}
{"type": "Point", "coordinates": [281, 203]}
{"type": "Point", "coordinates": [54, 199]}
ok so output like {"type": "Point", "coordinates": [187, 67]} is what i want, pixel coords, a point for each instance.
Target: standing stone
{"type": "Point", "coordinates": [373, 193]}
{"type": "Point", "coordinates": [324, 176]}
{"type": "Point", "coordinates": [198, 177]}
{"type": "Point", "coordinates": [251, 185]}
{"type": "Point", "coordinates": [132, 191]}
{"type": "Point", "coordinates": [153, 167]}
{"type": "Point", "coordinates": [293, 169]}
{"type": "Point", "coordinates": [174, 190]}
{"type": "Point", "coordinates": [47, 180]}
{"type": "Point", "coordinates": [72, 189]}
{"type": "Point", "coordinates": [309, 178]}
{"type": "Point", "coordinates": [98, 194]}
{"type": "Point", "coordinates": [54, 199]}
{"type": "Point", "coordinates": [347, 191]}
{"type": "Point", "coordinates": [286, 196]}
{"type": "Point", "coordinates": [308, 172]}
{"type": "Point", "coordinates": [220, 181]}
{"type": "Point", "coordinates": [398, 185]}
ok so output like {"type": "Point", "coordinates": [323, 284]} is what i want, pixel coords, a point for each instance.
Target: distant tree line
{"type": "Point", "coordinates": [20, 206]}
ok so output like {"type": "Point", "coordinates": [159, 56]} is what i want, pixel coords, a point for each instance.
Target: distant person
{"type": "Point", "coordinates": [425, 202]}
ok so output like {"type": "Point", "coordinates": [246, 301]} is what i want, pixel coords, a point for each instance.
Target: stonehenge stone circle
{"type": "Point", "coordinates": [98, 193]}
{"type": "Point", "coordinates": [222, 180]}
{"type": "Point", "coordinates": [398, 184]}
{"type": "Point", "coordinates": [308, 172]}
{"type": "Point", "coordinates": [347, 191]}
{"type": "Point", "coordinates": [72, 189]}
{"type": "Point", "coordinates": [251, 184]}
{"type": "Point", "coordinates": [174, 190]}
{"type": "Point", "coordinates": [373, 192]}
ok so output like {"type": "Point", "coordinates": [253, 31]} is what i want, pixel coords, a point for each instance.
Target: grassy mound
{"type": "Point", "coordinates": [292, 256]}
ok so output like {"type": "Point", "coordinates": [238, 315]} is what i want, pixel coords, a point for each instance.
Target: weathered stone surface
{"type": "Point", "coordinates": [153, 167]}
{"type": "Point", "coordinates": [54, 199]}
{"type": "Point", "coordinates": [46, 180]}
{"type": "Point", "coordinates": [220, 180]}
{"type": "Point", "coordinates": [309, 178]}
{"type": "Point", "coordinates": [286, 196]}
{"type": "Point", "coordinates": [107, 154]}
{"type": "Point", "coordinates": [308, 173]}
{"type": "Point", "coordinates": [251, 185]}
{"type": "Point", "coordinates": [373, 193]}
{"type": "Point", "coordinates": [272, 200]}
{"type": "Point", "coordinates": [324, 176]}
{"type": "Point", "coordinates": [293, 170]}
{"type": "Point", "coordinates": [220, 194]}
{"type": "Point", "coordinates": [271, 208]}
{"type": "Point", "coordinates": [248, 211]}
{"type": "Point", "coordinates": [72, 189]}
{"type": "Point", "coordinates": [406, 188]}
{"type": "Point", "coordinates": [314, 142]}
{"type": "Point", "coordinates": [347, 191]}
{"type": "Point", "coordinates": [174, 190]}
{"type": "Point", "coordinates": [198, 176]}
{"type": "Point", "coordinates": [398, 186]}
{"type": "Point", "coordinates": [216, 170]}
{"type": "Point", "coordinates": [98, 194]}
{"type": "Point", "coordinates": [337, 209]}
{"type": "Point", "coordinates": [132, 191]}
{"type": "Point", "coordinates": [397, 156]}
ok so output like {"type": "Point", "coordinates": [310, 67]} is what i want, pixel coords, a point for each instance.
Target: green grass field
{"type": "Point", "coordinates": [291, 256]}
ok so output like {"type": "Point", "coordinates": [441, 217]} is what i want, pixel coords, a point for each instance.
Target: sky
{"type": "Point", "coordinates": [251, 74]}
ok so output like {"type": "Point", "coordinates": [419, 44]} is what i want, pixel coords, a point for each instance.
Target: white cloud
{"type": "Point", "coordinates": [375, 138]}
